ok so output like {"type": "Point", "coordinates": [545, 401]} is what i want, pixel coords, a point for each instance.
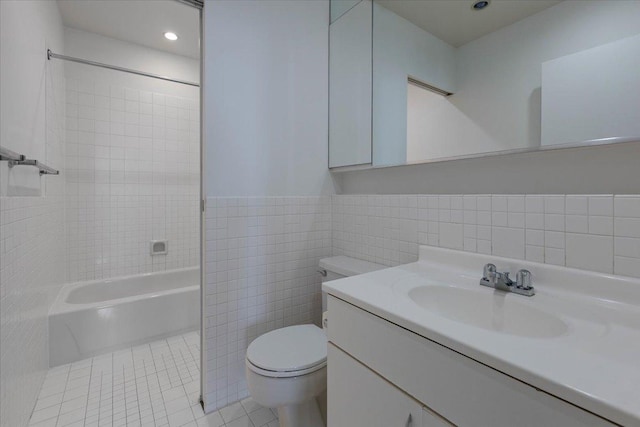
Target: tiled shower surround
{"type": "Point", "coordinates": [590, 232]}
{"type": "Point", "coordinates": [32, 266]}
{"type": "Point", "coordinates": [261, 260]}
{"type": "Point", "coordinates": [132, 173]}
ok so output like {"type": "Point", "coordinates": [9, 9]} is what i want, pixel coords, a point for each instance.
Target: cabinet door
{"type": "Point", "coordinates": [350, 87]}
{"type": "Point", "coordinates": [357, 396]}
{"type": "Point", "coordinates": [340, 7]}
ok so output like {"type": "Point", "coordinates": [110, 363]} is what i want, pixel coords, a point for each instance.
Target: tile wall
{"type": "Point", "coordinates": [591, 232]}
{"type": "Point", "coordinates": [32, 261]}
{"type": "Point", "coordinates": [261, 260]}
{"type": "Point", "coordinates": [262, 253]}
{"type": "Point", "coordinates": [132, 177]}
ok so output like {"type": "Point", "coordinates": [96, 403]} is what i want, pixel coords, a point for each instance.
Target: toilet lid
{"type": "Point", "coordinates": [293, 348]}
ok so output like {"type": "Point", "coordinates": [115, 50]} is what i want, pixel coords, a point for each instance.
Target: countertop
{"type": "Point", "coordinates": [593, 364]}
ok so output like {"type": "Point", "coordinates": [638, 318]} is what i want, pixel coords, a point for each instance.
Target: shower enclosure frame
{"type": "Point", "coordinates": [198, 4]}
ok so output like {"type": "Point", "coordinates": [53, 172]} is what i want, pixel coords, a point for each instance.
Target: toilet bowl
{"type": "Point", "coordinates": [287, 368]}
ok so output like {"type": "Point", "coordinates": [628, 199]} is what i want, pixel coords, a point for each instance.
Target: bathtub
{"type": "Point", "coordinates": [99, 316]}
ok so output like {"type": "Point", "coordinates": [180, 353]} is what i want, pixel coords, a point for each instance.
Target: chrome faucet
{"type": "Point", "coordinates": [492, 278]}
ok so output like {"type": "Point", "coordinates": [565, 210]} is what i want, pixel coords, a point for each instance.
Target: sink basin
{"type": "Point", "coordinates": [488, 310]}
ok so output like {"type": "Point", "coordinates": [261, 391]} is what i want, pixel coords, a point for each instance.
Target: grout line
{"type": "Point", "coordinates": [153, 413]}
{"type": "Point", "coordinates": [86, 406]}
{"type": "Point", "coordinates": [159, 386]}
{"type": "Point", "coordinates": [63, 393]}
{"type": "Point", "coordinates": [135, 382]}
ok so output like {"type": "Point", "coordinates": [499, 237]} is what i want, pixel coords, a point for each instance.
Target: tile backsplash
{"type": "Point", "coordinates": [591, 232]}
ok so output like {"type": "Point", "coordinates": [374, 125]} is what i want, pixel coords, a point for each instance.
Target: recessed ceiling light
{"type": "Point", "coordinates": [171, 36]}
{"type": "Point", "coordinates": [479, 5]}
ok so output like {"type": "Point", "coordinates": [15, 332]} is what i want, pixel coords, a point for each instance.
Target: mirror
{"type": "Point", "coordinates": [450, 81]}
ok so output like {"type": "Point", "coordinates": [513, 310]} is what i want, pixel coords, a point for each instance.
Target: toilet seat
{"type": "Point", "coordinates": [284, 374]}
{"type": "Point", "coordinates": [288, 352]}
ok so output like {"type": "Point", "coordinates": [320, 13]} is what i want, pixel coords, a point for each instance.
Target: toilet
{"type": "Point", "coordinates": [287, 368]}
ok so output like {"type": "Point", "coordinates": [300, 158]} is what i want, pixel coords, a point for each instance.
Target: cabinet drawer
{"type": "Point", "coordinates": [462, 390]}
{"type": "Point", "coordinates": [358, 397]}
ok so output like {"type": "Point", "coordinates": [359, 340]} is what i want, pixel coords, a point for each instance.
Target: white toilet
{"type": "Point", "coordinates": [287, 367]}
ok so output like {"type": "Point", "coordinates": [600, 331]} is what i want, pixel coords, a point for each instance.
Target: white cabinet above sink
{"type": "Point", "coordinates": [476, 356]}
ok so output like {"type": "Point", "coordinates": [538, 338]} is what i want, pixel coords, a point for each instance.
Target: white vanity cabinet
{"type": "Point", "coordinates": [360, 397]}
{"type": "Point", "coordinates": [380, 374]}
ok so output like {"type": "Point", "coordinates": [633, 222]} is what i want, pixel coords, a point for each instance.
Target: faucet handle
{"type": "Point", "coordinates": [489, 272]}
{"type": "Point", "coordinates": [523, 279]}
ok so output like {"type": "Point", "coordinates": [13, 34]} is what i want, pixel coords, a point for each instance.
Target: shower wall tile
{"type": "Point", "coordinates": [261, 264]}
{"type": "Point", "coordinates": [132, 176]}
{"type": "Point", "coordinates": [32, 255]}
{"type": "Point", "coordinates": [591, 232]}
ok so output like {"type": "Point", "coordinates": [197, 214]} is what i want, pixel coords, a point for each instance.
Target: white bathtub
{"type": "Point", "coordinates": [90, 318]}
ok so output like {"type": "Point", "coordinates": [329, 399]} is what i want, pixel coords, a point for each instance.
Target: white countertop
{"type": "Point", "coordinates": [594, 363]}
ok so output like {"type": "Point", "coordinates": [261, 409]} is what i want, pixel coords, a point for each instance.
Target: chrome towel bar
{"type": "Point", "coordinates": [44, 169]}
{"type": "Point", "coordinates": [16, 159]}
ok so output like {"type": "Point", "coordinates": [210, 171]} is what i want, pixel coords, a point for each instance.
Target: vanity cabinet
{"type": "Point", "coordinates": [379, 374]}
{"type": "Point", "coordinates": [360, 397]}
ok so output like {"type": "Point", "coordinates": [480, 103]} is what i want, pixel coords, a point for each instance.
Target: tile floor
{"type": "Point", "coordinates": [156, 384]}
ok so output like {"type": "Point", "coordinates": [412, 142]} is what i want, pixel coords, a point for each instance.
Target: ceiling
{"type": "Point", "coordinates": [145, 21]}
{"type": "Point", "coordinates": [455, 22]}
{"type": "Point", "coordinates": [137, 21]}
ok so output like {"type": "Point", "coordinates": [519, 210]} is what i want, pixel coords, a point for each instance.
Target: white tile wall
{"type": "Point", "coordinates": [32, 265]}
{"type": "Point", "coordinates": [592, 232]}
{"type": "Point", "coordinates": [381, 229]}
{"type": "Point", "coordinates": [132, 176]}
{"type": "Point", "coordinates": [626, 231]}
{"type": "Point", "coordinates": [261, 261]}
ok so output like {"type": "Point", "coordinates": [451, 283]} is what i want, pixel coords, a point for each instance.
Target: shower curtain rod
{"type": "Point", "coordinates": [113, 67]}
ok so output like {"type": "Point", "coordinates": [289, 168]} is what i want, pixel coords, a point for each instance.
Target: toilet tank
{"type": "Point", "coordinates": [338, 267]}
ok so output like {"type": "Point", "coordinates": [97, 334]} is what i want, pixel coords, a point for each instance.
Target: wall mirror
{"type": "Point", "coordinates": [414, 81]}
